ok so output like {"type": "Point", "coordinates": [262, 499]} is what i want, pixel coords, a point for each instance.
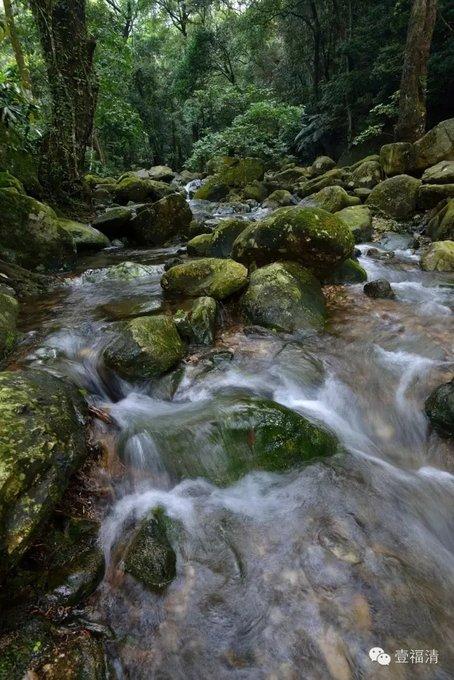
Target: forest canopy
{"type": "Point", "coordinates": [178, 81]}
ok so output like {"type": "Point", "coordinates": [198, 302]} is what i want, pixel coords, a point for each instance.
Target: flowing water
{"type": "Point", "coordinates": [279, 576]}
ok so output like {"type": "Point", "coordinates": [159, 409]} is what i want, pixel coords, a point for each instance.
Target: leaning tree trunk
{"type": "Point", "coordinates": [17, 47]}
{"type": "Point", "coordinates": [68, 53]}
{"type": "Point", "coordinates": [411, 124]}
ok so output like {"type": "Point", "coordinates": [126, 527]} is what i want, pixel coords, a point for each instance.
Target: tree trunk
{"type": "Point", "coordinates": [411, 124]}
{"type": "Point", "coordinates": [68, 53]}
{"type": "Point", "coordinates": [17, 48]}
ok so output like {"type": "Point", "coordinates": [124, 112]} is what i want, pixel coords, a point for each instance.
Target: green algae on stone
{"type": "Point", "coordinates": [150, 557]}
{"type": "Point", "coordinates": [333, 199]}
{"type": "Point", "coordinates": [137, 190]}
{"type": "Point", "coordinates": [42, 442]}
{"type": "Point", "coordinates": [212, 189]}
{"type": "Point", "coordinates": [285, 297]}
{"type": "Point", "coordinates": [200, 245]}
{"type": "Point", "coordinates": [224, 236]}
{"type": "Point", "coordinates": [198, 325]}
{"type": "Point", "coordinates": [213, 277]}
{"type": "Point", "coordinates": [144, 348]}
{"type": "Point", "coordinates": [440, 409]}
{"type": "Point", "coordinates": [9, 310]}
{"type": "Point", "coordinates": [396, 197]}
{"type": "Point", "coordinates": [314, 238]}
{"type": "Point", "coordinates": [30, 234]}
{"type": "Point", "coordinates": [84, 236]}
{"type": "Point", "coordinates": [439, 257]}
{"type": "Point", "coordinates": [161, 221]}
{"type": "Point", "coordinates": [114, 222]}
{"type": "Point", "coordinates": [278, 199]}
{"type": "Point", "coordinates": [349, 271]}
{"type": "Point", "coordinates": [441, 225]}
{"type": "Point", "coordinates": [358, 218]}
{"type": "Point", "coordinates": [8, 181]}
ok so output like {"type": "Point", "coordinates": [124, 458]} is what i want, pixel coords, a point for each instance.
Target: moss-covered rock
{"type": "Point", "coordinates": [162, 221]}
{"type": "Point", "coordinates": [290, 176]}
{"type": "Point", "coordinates": [349, 271]}
{"type": "Point", "coordinates": [200, 245]}
{"type": "Point", "coordinates": [256, 191]}
{"type": "Point", "coordinates": [312, 237]}
{"type": "Point", "coordinates": [241, 172]}
{"type": "Point", "coordinates": [23, 166]}
{"type": "Point", "coordinates": [285, 297]}
{"type": "Point", "coordinates": [441, 173]}
{"type": "Point", "coordinates": [114, 222]}
{"type": "Point", "coordinates": [9, 309]}
{"type": "Point", "coordinates": [321, 165]}
{"type": "Point", "coordinates": [123, 271]}
{"type": "Point", "coordinates": [8, 181]}
{"type": "Point", "coordinates": [439, 257]}
{"type": "Point", "coordinates": [42, 442]}
{"type": "Point", "coordinates": [436, 145]}
{"type": "Point", "coordinates": [213, 277]}
{"type": "Point", "coordinates": [78, 657]}
{"type": "Point", "coordinates": [212, 189]}
{"type": "Point", "coordinates": [23, 282]}
{"type": "Point", "coordinates": [335, 177]}
{"type": "Point", "coordinates": [224, 236]}
{"type": "Point", "coordinates": [366, 175]}
{"type": "Point", "coordinates": [144, 348]}
{"type": "Point", "coordinates": [150, 557]}
{"type": "Point", "coordinates": [441, 225]}
{"type": "Point", "coordinates": [162, 173]}
{"type": "Point", "coordinates": [226, 437]}
{"type": "Point", "coordinates": [396, 197]}
{"type": "Point", "coordinates": [198, 325]}
{"type": "Point", "coordinates": [30, 233]}
{"type": "Point", "coordinates": [278, 199]}
{"type": "Point", "coordinates": [84, 236]}
{"type": "Point", "coordinates": [358, 218]}
{"type": "Point", "coordinates": [430, 195]}
{"type": "Point", "coordinates": [334, 199]}
{"type": "Point", "coordinates": [398, 158]}
{"type": "Point", "coordinates": [440, 409]}
{"type": "Point", "coordinates": [137, 190]}
{"type": "Point", "coordinates": [24, 649]}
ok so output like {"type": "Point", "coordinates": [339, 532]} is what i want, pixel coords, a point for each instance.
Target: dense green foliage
{"type": "Point", "coordinates": [182, 81]}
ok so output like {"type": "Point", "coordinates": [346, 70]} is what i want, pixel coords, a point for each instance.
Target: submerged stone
{"type": "Point", "coordinates": [150, 557]}
{"type": "Point", "coordinates": [380, 288]}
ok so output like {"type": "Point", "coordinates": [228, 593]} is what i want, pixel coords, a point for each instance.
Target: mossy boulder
{"type": "Point", "coordinates": [200, 245]}
{"type": "Point", "coordinates": [314, 238]}
{"type": "Point", "coordinates": [256, 191]}
{"type": "Point", "coordinates": [84, 236]}
{"type": "Point", "coordinates": [25, 648]}
{"type": "Point", "coordinates": [212, 189]}
{"type": "Point", "coordinates": [42, 442]}
{"type": "Point", "coordinates": [440, 409]}
{"type": "Point", "coordinates": [198, 325]}
{"type": "Point", "coordinates": [430, 195]}
{"type": "Point", "coordinates": [398, 158]}
{"type": "Point", "coordinates": [144, 348]}
{"type": "Point", "coordinates": [78, 657]}
{"type": "Point", "coordinates": [114, 222]}
{"type": "Point", "coordinates": [441, 173]}
{"type": "Point", "coordinates": [162, 173]}
{"type": "Point", "coordinates": [349, 271]}
{"type": "Point", "coordinates": [290, 176]}
{"type": "Point", "coordinates": [439, 257]}
{"type": "Point", "coordinates": [136, 190]}
{"type": "Point", "coordinates": [285, 297]}
{"type": "Point", "coordinates": [321, 165]}
{"type": "Point", "coordinates": [366, 175]}
{"type": "Point", "coordinates": [441, 225]}
{"type": "Point", "coordinates": [123, 271]}
{"type": "Point", "coordinates": [150, 557]}
{"type": "Point", "coordinates": [396, 197]}
{"type": "Point", "coordinates": [358, 218]}
{"type": "Point", "coordinates": [436, 145]}
{"type": "Point", "coordinates": [334, 199]}
{"type": "Point", "coordinates": [224, 237]}
{"type": "Point", "coordinates": [226, 437]}
{"type": "Point", "coordinates": [23, 166]}
{"type": "Point", "coordinates": [242, 172]}
{"type": "Point", "coordinates": [209, 276]}
{"type": "Point", "coordinates": [30, 233]}
{"type": "Point", "coordinates": [23, 282]}
{"type": "Point", "coordinates": [8, 181]}
{"type": "Point", "coordinates": [278, 199]}
{"type": "Point", "coordinates": [162, 221]}
{"type": "Point", "coordinates": [335, 177]}
{"type": "Point", "coordinates": [9, 310]}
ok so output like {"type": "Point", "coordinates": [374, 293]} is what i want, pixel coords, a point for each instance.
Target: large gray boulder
{"type": "Point", "coordinates": [396, 197]}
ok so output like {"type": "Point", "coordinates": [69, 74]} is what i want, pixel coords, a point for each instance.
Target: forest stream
{"type": "Point", "coordinates": [279, 576]}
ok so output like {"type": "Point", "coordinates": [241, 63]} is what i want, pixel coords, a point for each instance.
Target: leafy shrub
{"type": "Point", "coordinates": [266, 130]}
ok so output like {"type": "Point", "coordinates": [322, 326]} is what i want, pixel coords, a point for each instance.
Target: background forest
{"type": "Point", "coordinates": [182, 80]}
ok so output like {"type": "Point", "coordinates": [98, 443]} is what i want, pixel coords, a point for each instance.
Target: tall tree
{"type": "Point", "coordinates": [411, 123]}
{"type": "Point", "coordinates": [16, 45]}
{"type": "Point", "coordinates": [68, 52]}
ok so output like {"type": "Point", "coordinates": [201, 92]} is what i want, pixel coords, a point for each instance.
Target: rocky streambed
{"type": "Point", "coordinates": [219, 457]}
